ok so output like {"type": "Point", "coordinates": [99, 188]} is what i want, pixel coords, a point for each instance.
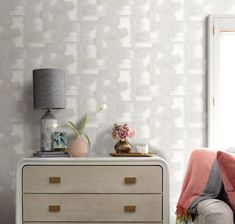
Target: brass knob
{"type": "Point", "coordinates": [54, 208]}
{"type": "Point", "coordinates": [129, 208]}
{"type": "Point", "coordinates": [54, 180]}
{"type": "Point", "coordinates": [130, 180]}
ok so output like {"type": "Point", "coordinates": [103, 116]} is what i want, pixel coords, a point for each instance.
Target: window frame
{"type": "Point", "coordinates": [212, 40]}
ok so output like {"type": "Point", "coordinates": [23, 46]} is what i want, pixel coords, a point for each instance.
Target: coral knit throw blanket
{"type": "Point", "coordinates": [202, 181]}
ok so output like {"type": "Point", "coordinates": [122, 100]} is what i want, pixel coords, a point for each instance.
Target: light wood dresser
{"type": "Point", "coordinates": [92, 190]}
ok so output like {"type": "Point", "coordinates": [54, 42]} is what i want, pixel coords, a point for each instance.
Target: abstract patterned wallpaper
{"type": "Point", "coordinates": [145, 59]}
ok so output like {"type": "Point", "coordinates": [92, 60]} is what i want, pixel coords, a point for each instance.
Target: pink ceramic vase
{"type": "Point", "coordinates": [79, 147]}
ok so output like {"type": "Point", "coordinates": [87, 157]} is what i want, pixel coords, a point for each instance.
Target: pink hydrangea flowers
{"type": "Point", "coordinates": [122, 132]}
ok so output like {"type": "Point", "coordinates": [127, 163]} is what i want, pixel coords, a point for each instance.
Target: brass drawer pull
{"type": "Point", "coordinates": [54, 208]}
{"type": "Point", "coordinates": [130, 180]}
{"type": "Point", "coordinates": [129, 208]}
{"type": "Point", "coordinates": [54, 180]}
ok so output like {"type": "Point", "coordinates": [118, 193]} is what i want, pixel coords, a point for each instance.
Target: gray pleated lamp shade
{"type": "Point", "coordinates": [49, 88]}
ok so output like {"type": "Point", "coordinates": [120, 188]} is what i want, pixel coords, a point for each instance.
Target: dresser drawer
{"type": "Point", "coordinates": [93, 207]}
{"type": "Point", "coordinates": [92, 179]}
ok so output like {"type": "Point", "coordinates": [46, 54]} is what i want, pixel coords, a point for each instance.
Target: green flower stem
{"type": "Point", "coordinates": [73, 126]}
{"type": "Point", "coordinates": [83, 124]}
{"type": "Point", "coordinates": [93, 115]}
{"type": "Point", "coordinates": [79, 131]}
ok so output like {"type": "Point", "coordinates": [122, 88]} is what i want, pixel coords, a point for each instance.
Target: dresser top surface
{"type": "Point", "coordinates": [93, 160]}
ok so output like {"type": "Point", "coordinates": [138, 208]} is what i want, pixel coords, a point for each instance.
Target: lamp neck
{"type": "Point", "coordinates": [48, 114]}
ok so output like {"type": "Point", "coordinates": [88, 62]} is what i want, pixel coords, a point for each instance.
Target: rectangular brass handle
{"type": "Point", "coordinates": [54, 208]}
{"type": "Point", "coordinates": [54, 180]}
{"type": "Point", "coordinates": [130, 180]}
{"type": "Point", "coordinates": [129, 208]}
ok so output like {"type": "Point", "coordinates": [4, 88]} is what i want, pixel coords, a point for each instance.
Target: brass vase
{"type": "Point", "coordinates": [122, 146]}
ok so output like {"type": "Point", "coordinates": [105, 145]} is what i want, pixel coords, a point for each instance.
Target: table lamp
{"type": "Point", "coordinates": [48, 94]}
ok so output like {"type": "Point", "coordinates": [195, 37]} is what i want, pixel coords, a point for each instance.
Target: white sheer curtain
{"type": "Point", "coordinates": [225, 92]}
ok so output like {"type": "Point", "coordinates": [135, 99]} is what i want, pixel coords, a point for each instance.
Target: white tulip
{"type": "Point", "coordinates": [104, 107]}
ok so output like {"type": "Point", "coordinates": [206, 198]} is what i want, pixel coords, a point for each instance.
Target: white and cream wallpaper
{"type": "Point", "coordinates": [145, 59]}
